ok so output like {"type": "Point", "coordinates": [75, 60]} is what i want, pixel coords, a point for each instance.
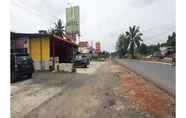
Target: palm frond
{"type": "Point", "coordinates": [138, 34]}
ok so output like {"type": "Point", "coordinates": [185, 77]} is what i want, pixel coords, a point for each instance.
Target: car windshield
{"type": "Point", "coordinates": [23, 59]}
{"type": "Point", "coordinates": [81, 56]}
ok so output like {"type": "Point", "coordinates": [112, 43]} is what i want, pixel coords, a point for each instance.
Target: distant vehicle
{"type": "Point", "coordinates": [21, 66]}
{"type": "Point", "coordinates": [81, 61]}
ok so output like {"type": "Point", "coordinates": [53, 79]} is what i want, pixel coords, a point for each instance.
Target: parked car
{"type": "Point", "coordinates": [21, 66]}
{"type": "Point", "coordinates": [81, 61]}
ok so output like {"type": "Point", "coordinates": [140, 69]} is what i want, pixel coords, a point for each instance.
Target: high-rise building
{"type": "Point", "coordinates": [72, 20]}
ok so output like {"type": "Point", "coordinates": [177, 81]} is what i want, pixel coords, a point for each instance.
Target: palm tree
{"type": "Point", "coordinates": [134, 36]}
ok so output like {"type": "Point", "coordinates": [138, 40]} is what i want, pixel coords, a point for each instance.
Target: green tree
{"type": "Point", "coordinates": [134, 36]}
{"type": "Point", "coordinates": [104, 54]}
{"type": "Point", "coordinates": [58, 28]}
{"type": "Point", "coordinates": [143, 49]}
{"type": "Point", "coordinates": [171, 40]}
{"type": "Point", "coordinates": [152, 48]}
{"type": "Point", "coordinates": [122, 45]}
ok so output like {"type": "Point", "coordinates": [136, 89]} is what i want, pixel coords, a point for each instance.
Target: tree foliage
{"type": "Point", "coordinates": [152, 48]}
{"type": "Point", "coordinates": [122, 45]}
{"type": "Point", "coordinates": [104, 54]}
{"type": "Point", "coordinates": [171, 39]}
{"type": "Point", "coordinates": [58, 28]}
{"type": "Point", "coordinates": [131, 42]}
{"type": "Point", "coordinates": [143, 49]}
{"type": "Point", "coordinates": [134, 36]}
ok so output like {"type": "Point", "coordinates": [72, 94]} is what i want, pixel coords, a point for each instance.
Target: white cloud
{"type": "Point", "coordinates": [101, 20]}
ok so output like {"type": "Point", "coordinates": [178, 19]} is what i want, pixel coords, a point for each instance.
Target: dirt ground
{"type": "Point", "coordinates": [145, 95]}
{"type": "Point", "coordinates": [103, 90]}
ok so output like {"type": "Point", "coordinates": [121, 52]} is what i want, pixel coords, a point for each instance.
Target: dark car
{"type": "Point", "coordinates": [21, 66]}
{"type": "Point", "coordinates": [81, 61]}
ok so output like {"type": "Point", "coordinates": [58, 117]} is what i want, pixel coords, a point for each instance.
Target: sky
{"type": "Point", "coordinates": [100, 20]}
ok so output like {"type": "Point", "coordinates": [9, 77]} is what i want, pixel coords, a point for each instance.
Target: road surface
{"type": "Point", "coordinates": [163, 75]}
{"type": "Point", "coordinates": [100, 91]}
{"type": "Point", "coordinates": [85, 94]}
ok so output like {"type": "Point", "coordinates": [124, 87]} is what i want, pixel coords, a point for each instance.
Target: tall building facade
{"type": "Point", "coordinates": [72, 20]}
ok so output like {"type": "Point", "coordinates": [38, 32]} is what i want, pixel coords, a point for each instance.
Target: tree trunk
{"type": "Point", "coordinates": [132, 51]}
{"type": "Point", "coordinates": [133, 54]}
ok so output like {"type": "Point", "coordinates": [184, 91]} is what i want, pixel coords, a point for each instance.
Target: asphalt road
{"type": "Point", "coordinates": [85, 94]}
{"type": "Point", "coordinates": [163, 75]}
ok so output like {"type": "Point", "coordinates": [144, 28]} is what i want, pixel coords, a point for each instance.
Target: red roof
{"type": "Point", "coordinates": [66, 39]}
